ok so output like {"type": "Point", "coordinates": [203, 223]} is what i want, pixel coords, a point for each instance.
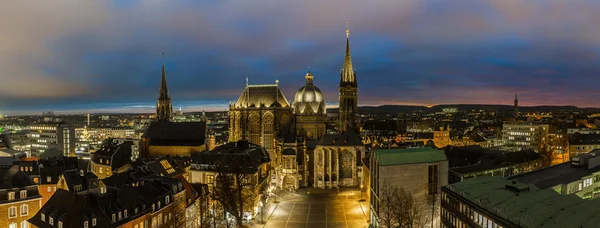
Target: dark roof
{"type": "Point", "coordinates": [176, 133]}
{"type": "Point", "coordinates": [554, 175]}
{"type": "Point", "coordinates": [14, 178]}
{"type": "Point", "coordinates": [470, 159]}
{"type": "Point", "coordinates": [234, 155]}
{"type": "Point", "coordinates": [118, 155]}
{"type": "Point", "coordinates": [262, 95]}
{"type": "Point", "coordinates": [87, 180]}
{"type": "Point", "coordinates": [348, 138]}
{"type": "Point", "coordinates": [381, 125]}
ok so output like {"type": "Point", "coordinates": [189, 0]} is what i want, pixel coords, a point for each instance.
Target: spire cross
{"type": "Point", "coordinates": [347, 30]}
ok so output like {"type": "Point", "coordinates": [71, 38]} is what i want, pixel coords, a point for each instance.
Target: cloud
{"type": "Point", "coordinates": [85, 53]}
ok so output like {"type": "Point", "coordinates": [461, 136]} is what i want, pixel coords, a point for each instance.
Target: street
{"type": "Point", "coordinates": [317, 208]}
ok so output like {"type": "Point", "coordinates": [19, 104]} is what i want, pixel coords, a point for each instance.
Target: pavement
{"type": "Point", "coordinates": [315, 208]}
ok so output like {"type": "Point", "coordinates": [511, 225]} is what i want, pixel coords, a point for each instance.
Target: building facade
{"type": "Point", "coordinates": [419, 171]}
{"type": "Point", "coordinates": [309, 110]}
{"type": "Point", "coordinates": [336, 160]}
{"type": "Point", "coordinates": [19, 198]}
{"type": "Point", "coordinates": [348, 93]}
{"type": "Point", "coordinates": [524, 135]}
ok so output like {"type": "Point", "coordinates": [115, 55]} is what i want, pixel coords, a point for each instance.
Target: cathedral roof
{"type": "Point", "coordinates": [348, 138]}
{"type": "Point", "coordinates": [262, 95]}
{"type": "Point", "coordinates": [309, 99]}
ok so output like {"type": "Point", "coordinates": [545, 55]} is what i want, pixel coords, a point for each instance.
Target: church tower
{"type": "Point", "coordinates": [516, 107]}
{"type": "Point", "coordinates": [348, 111]}
{"type": "Point", "coordinates": [164, 110]}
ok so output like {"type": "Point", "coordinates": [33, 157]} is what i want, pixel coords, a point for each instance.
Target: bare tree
{"type": "Point", "coordinates": [233, 190]}
{"type": "Point", "coordinates": [541, 139]}
{"type": "Point", "coordinates": [398, 208]}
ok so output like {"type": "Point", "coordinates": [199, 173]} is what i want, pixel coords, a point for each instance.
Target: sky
{"type": "Point", "coordinates": [75, 56]}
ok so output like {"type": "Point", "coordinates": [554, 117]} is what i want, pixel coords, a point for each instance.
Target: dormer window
{"type": "Point", "coordinates": [43, 217]}
{"type": "Point", "coordinates": [51, 221]}
{"type": "Point", "coordinates": [85, 224]}
{"type": "Point", "coordinates": [125, 213]}
{"type": "Point", "coordinates": [167, 199]}
{"type": "Point", "coordinates": [114, 217]}
{"type": "Point", "coordinates": [158, 204]}
{"type": "Point", "coordinates": [135, 211]}
{"type": "Point", "coordinates": [60, 224]}
{"type": "Point", "coordinates": [23, 194]}
{"type": "Point", "coordinates": [120, 215]}
{"type": "Point", "coordinates": [93, 222]}
{"type": "Point", "coordinates": [11, 195]}
{"type": "Point", "coordinates": [153, 207]}
{"type": "Point", "coordinates": [48, 178]}
{"type": "Point", "coordinates": [101, 161]}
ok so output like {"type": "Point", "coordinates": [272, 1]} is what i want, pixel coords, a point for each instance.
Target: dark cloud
{"type": "Point", "coordinates": [95, 55]}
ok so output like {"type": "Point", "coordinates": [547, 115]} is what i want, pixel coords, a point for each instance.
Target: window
{"type": "Point", "coordinates": [160, 219]}
{"type": "Point", "coordinates": [49, 189]}
{"type": "Point", "coordinates": [587, 182]}
{"type": "Point", "coordinates": [24, 224]}
{"type": "Point", "coordinates": [158, 204]}
{"type": "Point", "coordinates": [432, 179]}
{"type": "Point", "coordinates": [24, 210]}
{"type": "Point", "coordinates": [12, 212]}
{"type": "Point", "coordinates": [43, 217]}
{"type": "Point", "coordinates": [11, 196]}
{"type": "Point", "coordinates": [120, 215]}
{"type": "Point", "coordinates": [125, 213]}
{"type": "Point", "coordinates": [93, 222]}
{"type": "Point", "coordinates": [51, 221]}
{"type": "Point", "coordinates": [12, 225]}
{"type": "Point", "coordinates": [23, 194]}
{"type": "Point", "coordinates": [60, 224]}
{"type": "Point", "coordinates": [48, 178]}
{"type": "Point", "coordinates": [114, 217]}
{"type": "Point", "coordinates": [85, 224]}
{"type": "Point", "coordinates": [166, 199]}
{"type": "Point", "coordinates": [210, 179]}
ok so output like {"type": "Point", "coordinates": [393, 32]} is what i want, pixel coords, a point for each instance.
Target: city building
{"type": "Point", "coordinates": [19, 198]}
{"type": "Point", "coordinates": [523, 135]}
{"type": "Point", "coordinates": [337, 159]}
{"type": "Point", "coordinates": [241, 158]}
{"type": "Point", "coordinates": [77, 181]}
{"type": "Point", "coordinates": [419, 171]}
{"type": "Point", "coordinates": [498, 202]}
{"type": "Point", "coordinates": [474, 161]}
{"type": "Point", "coordinates": [580, 177]}
{"type": "Point", "coordinates": [45, 173]}
{"type": "Point", "coordinates": [262, 115]}
{"type": "Point", "coordinates": [110, 159]}
{"type": "Point", "coordinates": [164, 138]}
{"type": "Point", "coordinates": [583, 143]}
{"type": "Point", "coordinates": [348, 90]}
{"type": "Point", "coordinates": [60, 136]}
{"type": "Point", "coordinates": [442, 138]}
{"type": "Point", "coordinates": [309, 110]}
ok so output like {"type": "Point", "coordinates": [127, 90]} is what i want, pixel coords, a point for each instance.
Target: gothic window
{"type": "Point", "coordinates": [255, 129]}
{"type": "Point", "coordinates": [268, 131]}
{"type": "Point", "coordinates": [346, 164]}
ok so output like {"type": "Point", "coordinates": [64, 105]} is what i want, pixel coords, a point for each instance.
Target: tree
{"type": "Point", "coordinates": [398, 208]}
{"type": "Point", "coordinates": [541, 139]}
{"type": "Point", "coordinates": [233, 190]}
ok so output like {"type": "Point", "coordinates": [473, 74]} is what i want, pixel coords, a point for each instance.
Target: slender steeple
{"type": "Point", "coordinates": [348, 90]}
{"type": "Point", "coordinates": [516, 107]}
{"type": "Point", "coordinates": [164, 109]}
{"type": "Point", "coordinates": [348, 74]}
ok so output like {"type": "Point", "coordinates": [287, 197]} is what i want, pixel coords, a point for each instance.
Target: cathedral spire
{"type": "Point", "coordinates": [348, 76]}
{"type": "Point", "coordinates": [164, 110]}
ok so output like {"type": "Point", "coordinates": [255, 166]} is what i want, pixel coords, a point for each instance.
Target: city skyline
{"type": "Point", "coordinates": [87, 57]}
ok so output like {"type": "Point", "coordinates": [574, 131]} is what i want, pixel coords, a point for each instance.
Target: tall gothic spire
{"type": "Point", "coordinates": [164, 109]}
{"type": "Point", "coordinates": [348, 74]}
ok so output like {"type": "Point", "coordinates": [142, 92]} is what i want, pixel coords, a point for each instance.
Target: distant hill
{"type": "Point", "coordinates": [460, 107]}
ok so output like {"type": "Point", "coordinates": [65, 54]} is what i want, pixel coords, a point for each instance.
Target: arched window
{"type": "Point", "coordinates": [268, 131]}
{"type": "Point", "coordinates": [255, 128]}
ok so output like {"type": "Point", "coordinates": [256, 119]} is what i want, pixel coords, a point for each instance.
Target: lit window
{"type": "Point", "coordinates": [43, 217]}
{"type": "Point", "coordinates": [60, 224]}
{"type": "Point", "coordinates": [24, 210]}
{"type": "Point", "coordinates": [23, 194]}
{"type": "Point", "coordinates": [11, 196]}
{"type": "Point", "coordinates": [85, 224]}
{"type": "Point", "coordinates": [12, 225]}
{"type": "Point", "coordinates": [125, 213]}
{"type": "Point", "coordinates": [24, 224]}
{"type": "Point", "coordinates": [48, 178]}
{"type": "Point", "coordinates": [12, 212]}
{"type": "Point", "coordinates": [114, 217]}
{"type": "Point", "coordinates": [93, 222]}
{"type": "Point", "coordinates": [166, 199]}
{"type": "Point", "coordinates": [51, 221]}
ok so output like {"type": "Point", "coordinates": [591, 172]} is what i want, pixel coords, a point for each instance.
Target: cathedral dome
{"type": "Point", "coordinates": [309, 99]}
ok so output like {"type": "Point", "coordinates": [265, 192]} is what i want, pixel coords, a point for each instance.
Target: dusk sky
{"type": "Point", "coordinates": [93, 56]}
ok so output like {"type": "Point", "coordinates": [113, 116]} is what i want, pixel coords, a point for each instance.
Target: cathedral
{"type": "Point", "coordinates": [295, 135]}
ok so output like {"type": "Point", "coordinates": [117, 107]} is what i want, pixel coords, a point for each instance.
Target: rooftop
{"type": "Point", "coordinates": [555, 175]}
{"type": "Point", "coordinates": [405, 156]}
{"type": "Point", "coordinates": [525, 205]}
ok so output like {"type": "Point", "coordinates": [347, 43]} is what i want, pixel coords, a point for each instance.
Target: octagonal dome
{"type": "Point", "coordinates": [309, 99]}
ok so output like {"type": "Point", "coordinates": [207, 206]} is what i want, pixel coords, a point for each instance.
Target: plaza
{"type": "Point", "coordinates": [315, 208]}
